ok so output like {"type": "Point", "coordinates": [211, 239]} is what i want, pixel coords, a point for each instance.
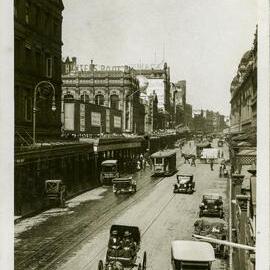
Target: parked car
{"type": "Point", "coordinates": [186, 255]}
{"type": "Point", "coordinates": [214, 228]}
{"type": "Point", "coordinates": [55, 192]}
{"type": "Point", "coordinates": [185, 184]}
{"type": "Point", "coordinates": [211, 205]}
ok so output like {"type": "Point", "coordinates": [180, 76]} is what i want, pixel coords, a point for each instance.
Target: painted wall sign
{"type": "Point", "coordinates": [69, 116]}
{"type": "Point", "coordinates": [82, 117]}
{"type": "Point", "coordinates": [95, 119]}
{"type": "Point", "coordinates": [117, 121]}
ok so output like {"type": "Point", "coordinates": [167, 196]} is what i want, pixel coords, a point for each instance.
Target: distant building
{"type": "Point", "coordinates": [158, 82]}
{"type": "Point", "coordinates": [37, 55]}
{"type": "Point", "coordinates": [178, 94]}
{"type": "Point", "coordinates": [115, 89]}
{"type": "Point", "coordinates": [188, 116]}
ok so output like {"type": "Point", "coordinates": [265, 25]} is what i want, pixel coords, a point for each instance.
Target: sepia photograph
{"type": "Point", "coordinates": [135, 142]}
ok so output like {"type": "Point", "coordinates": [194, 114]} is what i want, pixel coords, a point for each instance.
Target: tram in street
{"type": "Point", "coordinates": [164, 162]}
{"type": "Point", "coordinates": [200, 147]}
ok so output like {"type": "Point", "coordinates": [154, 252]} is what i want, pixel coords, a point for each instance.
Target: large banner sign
{"type": "Point", "coordinates": [82, 117]}
{"type": "Point", "coordinates": [69, 116]}
{"type": "Point", "coordinates": [117, 121]}
{"type": "Point", "coordinates": [95, 119]}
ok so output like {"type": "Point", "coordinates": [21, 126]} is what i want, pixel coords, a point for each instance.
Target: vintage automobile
{"type": "Point", "coordinates": [214, 228]}
{"type": "Point", "coordinates": [124, 185]}
{"type": "Point", "coordinates": [109, 170]}
{"type": "Point", "coordinates": [164, 162]}
{"type": "Point", "coordinates": [191, 255]}
{"type": "Point", "coordinates": [211, 205]}
{"type": "Point", "coordinates": [123, 248]}
{"type": "Point", "coordinates": [55, 192]}
{"type": "Point", "coordinates": [185, 184]}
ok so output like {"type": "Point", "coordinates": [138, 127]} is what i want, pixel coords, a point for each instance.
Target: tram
{"type": "Point", "coordinates": [164, 163]}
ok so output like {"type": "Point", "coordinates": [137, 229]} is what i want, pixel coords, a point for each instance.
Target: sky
{"type": "Point", "coordinates": [202, 41]}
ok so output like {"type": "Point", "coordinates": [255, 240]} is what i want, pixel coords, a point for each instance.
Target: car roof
{"type": "Point", "coordinates": [186, 250]}
{"type": "Point", "coordinates": [109, 162]}
{"type": "Point", "coordinates": [212, 195]}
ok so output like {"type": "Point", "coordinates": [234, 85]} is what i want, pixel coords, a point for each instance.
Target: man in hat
{"type": "Point", "coordinates": [128, 245]}
{"type": "Point", "coordinates": [114, 242]}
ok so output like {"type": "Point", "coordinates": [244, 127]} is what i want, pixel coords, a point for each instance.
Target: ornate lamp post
{"type": "Point", "coordinates": [35, 104]}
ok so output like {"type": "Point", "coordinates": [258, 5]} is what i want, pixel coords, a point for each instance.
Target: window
{"type": "Point", "coordinates": [85, 98]}
{"type": "Point", "coordinates": [27, 56]}
{"type": "Point", "coordinates": [68, 97]}
{"type": "Point", "coordinates": [17, 52]}
{"type": "Point", "coordinates": [27, 108]}
{"type": "Point", "coordinates": [37, 20]}
{"type": "Point", "coordinates": [47, 23]}
{"type": "Point", "coordinates": [16, 2]}
{"type": "Point", "coordinates": [49, 67]}
{"type": "Point", "coordinates": [99, 100]}
{"type": "Point", "coordinates": [114, 102]}
{"type": "Point", "coordinates": [27, 12]}
{"type": "Point", "coordinates": [159, 161]}
{"type": "Point", "coordinates": [38, 61]}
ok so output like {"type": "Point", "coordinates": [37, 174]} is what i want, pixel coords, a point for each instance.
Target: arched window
{"type": "Point", "coordinates": [85, 98]}
{"type": "Point", "coordinates": [68, 97]}
{"type": "Point", "coordinates": [99, 100]}
{"type": "Point", "coordinates": [114, 102]}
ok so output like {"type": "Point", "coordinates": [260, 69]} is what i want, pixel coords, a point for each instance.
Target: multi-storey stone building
{"type": "Point", "coordinates": [37, 43]}
{"type": "Point", "coordinates": [118, 90]}
{"type": "Point", "coordinates": [244, 93]}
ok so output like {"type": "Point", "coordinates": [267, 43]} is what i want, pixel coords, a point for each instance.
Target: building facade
{"type": "Point", "coordinates": [244, 93]}
{"type": "Point", "coordinates": [37, 55]}
{"type": "Point", "coordinates": [118, 90]}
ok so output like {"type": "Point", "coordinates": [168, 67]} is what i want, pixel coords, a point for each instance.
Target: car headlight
{"type": "Point", "coordinates": [185, 185]}
{"type": "Point", "coordinates": [216, 207]}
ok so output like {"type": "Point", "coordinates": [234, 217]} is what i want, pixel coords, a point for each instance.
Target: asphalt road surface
{"type": "Point", "coordinates": [76, 237]}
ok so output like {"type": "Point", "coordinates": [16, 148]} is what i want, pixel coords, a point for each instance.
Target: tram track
{"type": "Point", "coordinates": [98, 254]}
{"type": "Point", "coordinates": [44, 255]}
{"type": "Point", "coordinates": [53, 252]}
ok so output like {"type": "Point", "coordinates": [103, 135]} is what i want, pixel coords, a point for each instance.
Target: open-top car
{"type": "Point", "coordinates": [123, 248]}
{"type": "Point", "coordinates": [211, 205]}
{"type": "Point", "coordinates": [124, 185]}
{"type": "Point", "coordinates": [214, 228]}
{"type": "Point", "coordinates": [191, 255]}
{"type": "Point", "coordinates": [185, 184]}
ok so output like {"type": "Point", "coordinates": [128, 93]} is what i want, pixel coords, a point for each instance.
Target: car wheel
{"type": "Point", "coordinates": [200, 214]}
{"type": "Point", "coordinates": [139, 266]}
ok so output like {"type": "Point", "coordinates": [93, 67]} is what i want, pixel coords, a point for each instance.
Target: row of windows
{"type": "Point", "coordinates": [35, 60]}
{"type": "Point", "coordinates": [99, 100]}
{"type": "Point", "coordinates": [31, 14]}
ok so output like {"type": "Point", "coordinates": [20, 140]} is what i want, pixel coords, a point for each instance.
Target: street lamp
{"type": "Point", "coordinates": [35, 103]}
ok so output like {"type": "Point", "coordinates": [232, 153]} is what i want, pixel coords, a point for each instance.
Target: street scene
{"type": "Point", "coordinates": [142, 164]}
{"type": "Point", "coordinates": [85, 222]}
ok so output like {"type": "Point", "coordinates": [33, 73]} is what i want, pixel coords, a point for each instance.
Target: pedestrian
{"type": "Point", "coordinates": [218, 153]}
{"type": "Point", "coordinates": [222, 155]}
{"type": "Point", "coordinates": [189, 144]}
{"type": "Point", "coordinates": [138, 165]}
{"type": "Point", "coordinates": [193, 163]}
{"type": "Point", "coordinates": [211, 164]}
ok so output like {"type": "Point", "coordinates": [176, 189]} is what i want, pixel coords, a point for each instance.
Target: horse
{"type": "Point", "coordinates": [187, 157]}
